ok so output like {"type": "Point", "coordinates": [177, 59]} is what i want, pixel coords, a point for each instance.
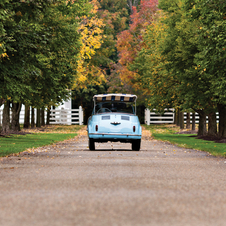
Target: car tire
{"type": "Point", "coordinates": [91, 145]}
{"type": "Point", "coordinates": [136, 145]}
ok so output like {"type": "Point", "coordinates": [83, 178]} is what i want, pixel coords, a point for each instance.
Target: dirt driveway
{"type": "Point", "coordinates": [66, 184]}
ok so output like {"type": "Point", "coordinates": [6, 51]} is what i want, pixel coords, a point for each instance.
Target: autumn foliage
{"type": "Point", "coordinates": [91, 30]}
{"type": "Point", "coordinates": [130, 41]}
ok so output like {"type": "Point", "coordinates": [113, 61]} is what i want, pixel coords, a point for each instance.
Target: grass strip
{"type": "Point", "coordinates": [167, 133]}
{"type": "Point", "coordinates": [18, 143]}
{"type": "Point", "coordinates": [188, 141]}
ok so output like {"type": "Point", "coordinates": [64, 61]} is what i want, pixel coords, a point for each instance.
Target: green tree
{"type": "Point", "coordinates": [15, 68]}
{"type": "Point", "coordinates": [211, 58]}
{"type": "Point", "coordinates": [179, 49]}
{"type": "Point", "coordinates": [42, 43]}
{"type": "Point", "coordinates": [181, 64]}
{"type": "Point", "coordinates": [155, 81]}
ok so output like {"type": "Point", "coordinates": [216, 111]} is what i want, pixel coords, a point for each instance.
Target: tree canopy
{"type": "Point", "coordinates": [172, 53]}
{"type": "Point", "coordinates": [40, 44]}
{"type": "Point", "coordinates": [175, 55]}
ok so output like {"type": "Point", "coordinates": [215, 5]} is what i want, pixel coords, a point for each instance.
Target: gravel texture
{"type": "Point", "coordinates": [66, 184]}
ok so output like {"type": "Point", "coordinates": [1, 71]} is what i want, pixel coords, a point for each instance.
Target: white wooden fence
{"type": "Point", "coordinates": [155, 118]}
{"type": "Point", "coordinates": [151, 117]}
{"type": "Point", "coordinates": [197, 117]}
{"type": "Point", "coordinates": [57, 116]}
{"type": "Point", "coordinates": [67, 116]}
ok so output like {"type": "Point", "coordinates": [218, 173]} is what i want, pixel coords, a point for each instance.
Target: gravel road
{"type": "Point", "coordinates": [68, 185]}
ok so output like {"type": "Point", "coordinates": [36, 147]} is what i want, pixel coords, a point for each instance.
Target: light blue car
{"type": "Point", "coordinates": [114, 119]}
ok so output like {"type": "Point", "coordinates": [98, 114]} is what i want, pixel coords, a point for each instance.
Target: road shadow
{"type": "Point", "coordinates": [115, 149]}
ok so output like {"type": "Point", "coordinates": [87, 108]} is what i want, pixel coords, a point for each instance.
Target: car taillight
{"type": "Point", "coordinates": [134, 128]}
{"type": "Point", "coordinates": [96, 127]}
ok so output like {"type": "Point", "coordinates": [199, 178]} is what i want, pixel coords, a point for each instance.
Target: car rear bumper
{"type": "Point", "coordinates": [104, 137]}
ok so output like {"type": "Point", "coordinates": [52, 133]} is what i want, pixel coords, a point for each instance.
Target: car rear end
{"type": "Point", "coordinates": [114, 127]}
{"type": "Point", "coordinates": [114, 119]}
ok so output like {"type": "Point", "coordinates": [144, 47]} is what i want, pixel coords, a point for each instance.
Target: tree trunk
{"type": "Point", "coordinates": [2, 101]}
{"type": "Point", "coordinates": [48, 115]}
{"type": "Point", "coordinates": [15, 124]}
{"type": "Point", "coordinates": [193, 121]}
{"type": "Point", "coordinates": [222, 120]}
{"type": "Point", "coordinates": [175, 117]}
{"type": "Point", "coordinates": [32, 117]}
{"type": "Point", "coordinates": [212, 124]}
{"type": "Point", "coordinates": [43, 117]}
{"type": "Point", "coordinates": [178, 117]}
{"type": "Point", "coordinates": [27, 116]}
{"type": "Point", "coordinates": [38, 122]}
{"type": "Point", "coordinates": [132, 3]}
{"type": "Point", "coordinates": [181, 119]}
{"type": "Point", "coordinates": [6, 118]}
{"type": "Point", "coordinates": [188, 125]}
{"type": "Point", "coordinates": [202, 123]}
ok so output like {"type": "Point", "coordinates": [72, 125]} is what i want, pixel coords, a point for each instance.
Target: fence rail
{"type": "Point", "coordinates": [151, 117]}
{"type": "Point", "coordinates": [67, 116]}
{"type": "Point", "coordinates": [156, 118]}
{"type": "Point", "coordinates": [197, 117]}
{"type": "Point", "coordinates": [57, 116]}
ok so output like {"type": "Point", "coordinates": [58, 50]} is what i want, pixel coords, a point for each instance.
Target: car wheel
{"type": "Point", "coordinates": [136, 145]}
{"type": "Point", "coordinates": [91, 145]}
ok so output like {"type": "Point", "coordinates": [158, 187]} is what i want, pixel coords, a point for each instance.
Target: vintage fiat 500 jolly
{"type": "Point", "coordinates": [114, 119]}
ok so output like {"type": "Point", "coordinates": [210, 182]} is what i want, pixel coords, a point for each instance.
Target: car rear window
{"type": "Point", "coordinates": [108, 107]}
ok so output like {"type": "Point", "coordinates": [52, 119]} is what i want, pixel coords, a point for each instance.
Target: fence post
{"type": "Point", "coordinates": [63, 116]}
{"type": "Point", "coordinates": [173, 110]}
{"type": "Point", "coordinates": [60, 116]}
{"type": "Point", "coordinates": [80, 116]}
{"type": "Point", "coordinates": [147, 116]}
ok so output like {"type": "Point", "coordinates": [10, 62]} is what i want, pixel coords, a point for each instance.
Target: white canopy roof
{"type": "Point", "coordinates": [115, 97]}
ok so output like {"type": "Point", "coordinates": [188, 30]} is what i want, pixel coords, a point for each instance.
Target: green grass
{"type": "Point", "coordinates": [167, 133]}
{"type": "Point", "coordinates": [18, 143]}
{"type": "Point", "coordinates": [39, 137]}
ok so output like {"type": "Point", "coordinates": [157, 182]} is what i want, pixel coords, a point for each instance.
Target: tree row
{"type": "Point", "coordinates": [174, 54]}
